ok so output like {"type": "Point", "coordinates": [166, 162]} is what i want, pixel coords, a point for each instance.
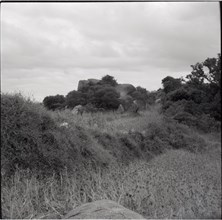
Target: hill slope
{"type": "Point", "coordinates": [148, 163]}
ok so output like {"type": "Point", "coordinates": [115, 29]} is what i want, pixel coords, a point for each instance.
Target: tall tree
{"type": "Point", "coordinates": [208, 71]}
{"type": "Point", "coordinates": [170, 84]}
{"type": "Point", "coordinates": [108, 80]}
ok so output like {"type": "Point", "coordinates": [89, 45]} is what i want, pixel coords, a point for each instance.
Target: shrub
{"type": "Point", "coordinates": [25, 126]}
{"type": "Point", "coordinates": [30, 138]}
{"type": "Point", "coordinates": [106, 98]}
{"type": "Point", "coordinates": [202, 122]}
{"type": "Point", "coordinates": [178, 94]}
{"type": "Point", "coordinates": [108, 80]}
{"type": "Point", "coordinates": [170, 84]}
{"type": "Point", "coordinates": [74, 98]}
{"type": "Point", "coordinates": [170, 135]}
{"type": "Point", "coordinates": [201, 93]}
{"type": "Point", "coordinates": [53, 102]}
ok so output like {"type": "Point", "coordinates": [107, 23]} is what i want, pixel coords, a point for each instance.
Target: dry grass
{"type": "Point", "coordinates": [177, 184]}
{"type": "Point", "coordinates": [110, 122]}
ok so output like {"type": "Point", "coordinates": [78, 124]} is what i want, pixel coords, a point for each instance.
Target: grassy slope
{"type": "Point", "coordinates": [176, 184]}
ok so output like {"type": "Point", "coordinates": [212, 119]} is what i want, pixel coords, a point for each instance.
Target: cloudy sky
{"type": "Point", "coordinates": [46, 48]}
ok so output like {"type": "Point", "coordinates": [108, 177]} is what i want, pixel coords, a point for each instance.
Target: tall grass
{"type": "Point", "coordinates": [156, 190]}
{"type": "Point", "coordinates": [110, 122]}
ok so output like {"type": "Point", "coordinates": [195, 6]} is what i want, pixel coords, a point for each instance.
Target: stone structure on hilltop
{"type": "Point", "coordinates": [126, 101]}
{"type": "Point", "coordinates": [79, 109]}
{"type": "Point", "coordinates": [102, 209]}
{"type": "Point", "coordinates": [84, 83]}
{"type": "Point", "coordinates": [120, 109]}
{"type": "Point", "coordinates": [125, 89]}
{"type": "Point", "coordinates": [134, 108]}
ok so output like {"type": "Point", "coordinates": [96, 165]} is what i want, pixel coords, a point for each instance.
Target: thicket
{"type": "Point", "coordinates": [32, 139]}
{"type": "Point", "coordinates": [49, 168]}
{"type": "Point", "coordinates": [195, 101]}
{"type": "Point", "coordinates": [100, 95]}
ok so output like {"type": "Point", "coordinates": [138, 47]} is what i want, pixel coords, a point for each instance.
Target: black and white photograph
{"type": "Point", "coordinates": [111, 110]}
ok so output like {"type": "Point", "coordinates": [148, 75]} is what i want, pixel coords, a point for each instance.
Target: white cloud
{"type": "Point", "coordinates": [48, 47]}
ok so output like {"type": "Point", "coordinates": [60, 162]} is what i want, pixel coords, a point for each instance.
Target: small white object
{"type": "Point", "coordinates": [158, 101]}
{"type": "Point", "coordinates": [64, 124]}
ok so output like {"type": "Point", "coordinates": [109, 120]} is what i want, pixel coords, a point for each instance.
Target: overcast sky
{"type": "Point", "coordinates": [46, 48]}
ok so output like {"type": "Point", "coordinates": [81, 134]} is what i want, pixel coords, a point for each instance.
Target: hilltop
{"type": "Point", "coordinates": [105, 93]}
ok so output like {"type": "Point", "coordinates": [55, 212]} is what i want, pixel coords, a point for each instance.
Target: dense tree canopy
{"type": "Point", "coordinates": [54, 102]}
{"type": "Point", "coordinates": [74, 98]}
{"type": "Point", "coordinates": [99, 95]}
{"type": "Point", "coordinates": [109, 80]}
{"type": "Point", "coordinates": [208, 71]}
{"type": "Point", "coordinates": [170, 84]}
{"type": "Point", "coordinates": [106, 98]}
{"type": "Point", "coordinates": [199, 95]}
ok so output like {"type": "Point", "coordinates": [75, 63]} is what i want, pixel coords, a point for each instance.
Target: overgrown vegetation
{"type": "Point", "coordinates": [101, 94]}
{"type": "Point", "coordinates": [154, 162]}
{"type": "Point", "coordinates": [196, 101]}
{"type": "Point", "coordinates": [48, 169]}
{"type": "Point", "coordinates": [32, 137]}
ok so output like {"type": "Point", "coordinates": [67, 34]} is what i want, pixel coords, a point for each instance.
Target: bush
{"type": "Point", "coordinates": [74, 98]}
{"type": "Point", "coordinates": [106, 98]}
{"type": "Point", "coordinates": [53, 102]}
{"type": "Point", "coordinates": [31, 139]}
{"type": "Point", "coordinates": [108, 80]}
{"type": "Point", "coordinates": [178, 94]}
{"type": "Point", "coordinates": [202, 122]}
{"type": "Point", "coordinates": [170, 84]}
{"type": "Point", "coordinates": [170, 135]}
{"type": "Point", "coordinates": [199, 96]}
{"type": "Point", "coordinates": [23, 124]}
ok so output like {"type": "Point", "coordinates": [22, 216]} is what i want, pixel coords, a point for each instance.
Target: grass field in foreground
{"type": "Point", "coordinates": [177, 184]}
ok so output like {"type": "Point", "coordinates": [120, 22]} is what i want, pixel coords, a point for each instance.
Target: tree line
{"type": "Point", "coordinates": [196, 98]}
{"type": "Point", "coordinates": [191, 100]}
{"type": "Point", "coordinates": [100, 95]}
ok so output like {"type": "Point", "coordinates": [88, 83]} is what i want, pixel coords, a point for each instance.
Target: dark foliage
{"type": "Point", "coordinates": [170, 84]}
{"type": "Point", "coordinates": [30, 139]}
{"type": "Point", "coordinates": [140, 93]}
{"type": "Point", "coordinates": [101, 95]}
{"type": "Point", "coordinates": [153, 96]}
{"type": "Point", "coordinates": [106, 98]}
{"type": "Point", "coordinates": [178, 94]}
{"type": "Point", "coordinates": [54, 102]}
{"type": "Point", "coordinates": [108, 80]}
{"type": "Point", "coordinates": [197, 101]}
{"type": "Point", "coordinates": [74, 98]}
